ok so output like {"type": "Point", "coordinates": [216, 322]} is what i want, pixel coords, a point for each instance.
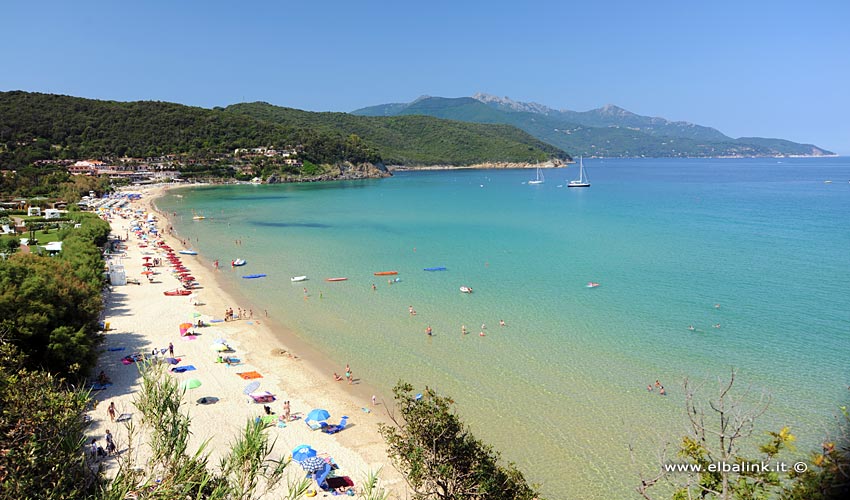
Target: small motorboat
{"type": "Point", "coordinates": [253, 276]}
{"type": "Point", "coordinates": [237, 262]}
{"type": "Point", "coordinates": [336, 279]}
{"type": "Point", "coordinates": [386, 273]}
{"type": "Point", "coordinates": [172, 293]}
{"type": "Point", "coordinates": [591, 284]}
{"type": "Point", "coordinates": [438, 268]}
{"type": "Point", "coordinates": [188, 252]}
{"type": "Point", "coordinates": [296, 279]}
{"type": "Point", "coordinates": [466, 289]}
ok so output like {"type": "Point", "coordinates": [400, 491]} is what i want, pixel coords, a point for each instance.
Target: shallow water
{"type": "Point", "coordinates": [561, 389]}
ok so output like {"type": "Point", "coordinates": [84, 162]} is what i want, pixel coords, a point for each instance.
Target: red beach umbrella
{"type": "Point", "coordinates": [147, 257]}
{"type": "Point", "coordinates": [148, 273]}
{"type": "Point", "coordinates": [147, 264]}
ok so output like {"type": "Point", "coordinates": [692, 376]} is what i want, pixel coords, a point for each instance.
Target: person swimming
{"type": "Point", "coordinates": [691, 328]}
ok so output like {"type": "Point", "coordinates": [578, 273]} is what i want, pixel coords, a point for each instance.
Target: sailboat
{"type": "Point", "coordinates": [539, 179]}
{"type": "Point", "coordinates": [582, 181]}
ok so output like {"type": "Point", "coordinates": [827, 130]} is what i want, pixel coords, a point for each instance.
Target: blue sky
{"type": "Point", "coordinates": [748, 68]}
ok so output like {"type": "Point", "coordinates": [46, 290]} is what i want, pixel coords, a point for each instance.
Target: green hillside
{"type": "Point", "coordinates": [45, 126]}
{"type": "Point", "coordinates": [415, 140]}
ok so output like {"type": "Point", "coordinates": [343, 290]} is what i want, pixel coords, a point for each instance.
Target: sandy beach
{"type": "Point", "coordinates": [141, 318]}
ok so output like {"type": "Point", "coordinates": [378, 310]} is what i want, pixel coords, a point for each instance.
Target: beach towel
{"type": "Point", "coordinates": [189, 337]}
{"type": "Point", "coordinates": [181, 369]}
{"type": "Point", "coordinates": [113, 349]}
{"type": "Point", "coordinates": [124, 417]}
{"type": "Point", "coordinates": [249, 375]}
{"type": "Point", "coordinates": [340, 482]}
{"type": "Point", "coordinates": [216, 321]}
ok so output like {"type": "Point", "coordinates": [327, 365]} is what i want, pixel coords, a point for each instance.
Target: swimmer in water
{"type": "Point", "coordinates": [481, 334]}
{"type": "Point", "coordinates": [691, 328]}
{"type": "Point", "coordinates": [428, 330]}
{"type": "Point", "coordinates": [463, 330]}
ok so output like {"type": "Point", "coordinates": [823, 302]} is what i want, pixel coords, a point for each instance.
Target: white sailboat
{"type": "Point", "coordinates": [582, 181]}
{"type": "Point", "coordinates": [539, 179]}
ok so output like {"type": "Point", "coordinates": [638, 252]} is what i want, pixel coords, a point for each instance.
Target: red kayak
{"type": "Point", "coordinates": [386, 273]}
{"type": "Point", "coordinates": [173, 293]}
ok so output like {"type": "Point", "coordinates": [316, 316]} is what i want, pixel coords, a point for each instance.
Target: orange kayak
{"type": "Point", "coordinates": [386, 273]}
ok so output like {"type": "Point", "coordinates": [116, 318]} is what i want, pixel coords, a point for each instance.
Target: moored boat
{"type": "Point", "coordinates": [438, 268]}
{"type": "Point", "coordinates": [188, 252]}
{"type": "Point", "coordinates": [237, 262]}
{"type": "Point", "coordinates": [253, 276]}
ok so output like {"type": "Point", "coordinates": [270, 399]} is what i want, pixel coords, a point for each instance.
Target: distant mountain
{"type": "Point", "coordinates": [608, 131]}
{"type": "Point", "coordinates": [415, 140]}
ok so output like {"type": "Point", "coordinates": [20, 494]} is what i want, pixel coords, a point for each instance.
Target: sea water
{"type": "Point", "coordinates": [760, 247]}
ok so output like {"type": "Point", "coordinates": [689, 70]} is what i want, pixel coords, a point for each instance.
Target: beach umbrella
{"type": "Point", "coordinates": [313, 464]}
{"type": "Point", "coordinates": [303, 452]}
{"type": "Point", "coordinates": [318, 415]}
{"type": "Point", "coordinates": [172, 361]}
{"type": "Point", "coordinates": [192, 383]}
{"type": "Point", "coordinates": [184, 327]}
{"type": "Point", "coordinates": [147, 264]}
{"type": "Point", "coordinates": [147, 257]}
{"type": "Point", "coordinates": [148, 273]}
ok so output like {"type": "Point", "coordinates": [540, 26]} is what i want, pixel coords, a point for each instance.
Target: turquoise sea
{"type": "Point", "coordinates": [561, 390]}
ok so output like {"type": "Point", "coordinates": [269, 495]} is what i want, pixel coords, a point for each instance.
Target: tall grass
{"type": "Point", "coordinates": [172, 471]}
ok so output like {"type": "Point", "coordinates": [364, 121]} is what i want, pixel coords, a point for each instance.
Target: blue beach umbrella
{"type": "Point", "coordinates": [303, 452]}
{"type": "Point", "coordinates": [318, 415]}
{"type": "Point", "coordinates": [313, 464]}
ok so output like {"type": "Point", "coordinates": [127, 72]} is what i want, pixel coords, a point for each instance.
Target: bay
{"type": "Point", "coordinates": [561, 389]}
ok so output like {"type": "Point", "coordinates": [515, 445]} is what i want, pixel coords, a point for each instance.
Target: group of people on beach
{"type": "Point", "coordinates": [242, 314]}
{"type": "Point", "coordinates": [348, 376]}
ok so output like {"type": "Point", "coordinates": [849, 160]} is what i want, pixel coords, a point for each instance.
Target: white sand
{"type": "Point", "coordinates": [142, 318]}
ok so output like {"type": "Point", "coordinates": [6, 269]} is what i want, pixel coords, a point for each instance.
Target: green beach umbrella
{"type": "Point", "coordinates": [192, 383]}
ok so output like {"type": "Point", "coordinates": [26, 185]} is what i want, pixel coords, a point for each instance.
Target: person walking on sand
{"type": "Point", "coordinates": [110, 443]}
{"type": "Point", "coordinates": [111, 411]}
{"type": "Point", "coordinates": [171, 349]}
{"type": "Point", "coordinates": [348, 373]}
{"type": "Point", "coordinates": [286, 411]}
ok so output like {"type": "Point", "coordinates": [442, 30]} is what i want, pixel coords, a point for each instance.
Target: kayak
{"type": "Point", "coordinates": [188, 252]}
{"type": "Point", "coordinates": [335, 279]}
{"type": "Point", "coordinates": [386, 273]}
{"type": "Point", "coordinates": [296, 279]}
{"type": "Point", "coordinates": [252, 276]}
{"type": "Point", "coordinates": [440, 268]}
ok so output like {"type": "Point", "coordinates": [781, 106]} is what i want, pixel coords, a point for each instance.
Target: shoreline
{"type": "Point", "coordinates": [141, 315]}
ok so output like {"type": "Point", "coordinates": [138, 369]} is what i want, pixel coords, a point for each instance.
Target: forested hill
{"type": "Point", "coordinates": [45, 126]}
{"type": "Point", "coordinates": [36, 126]}
{"type": "Point", "coordinates": [609, 131]}
{"type": "Point", "coordinates": [416, 140]}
